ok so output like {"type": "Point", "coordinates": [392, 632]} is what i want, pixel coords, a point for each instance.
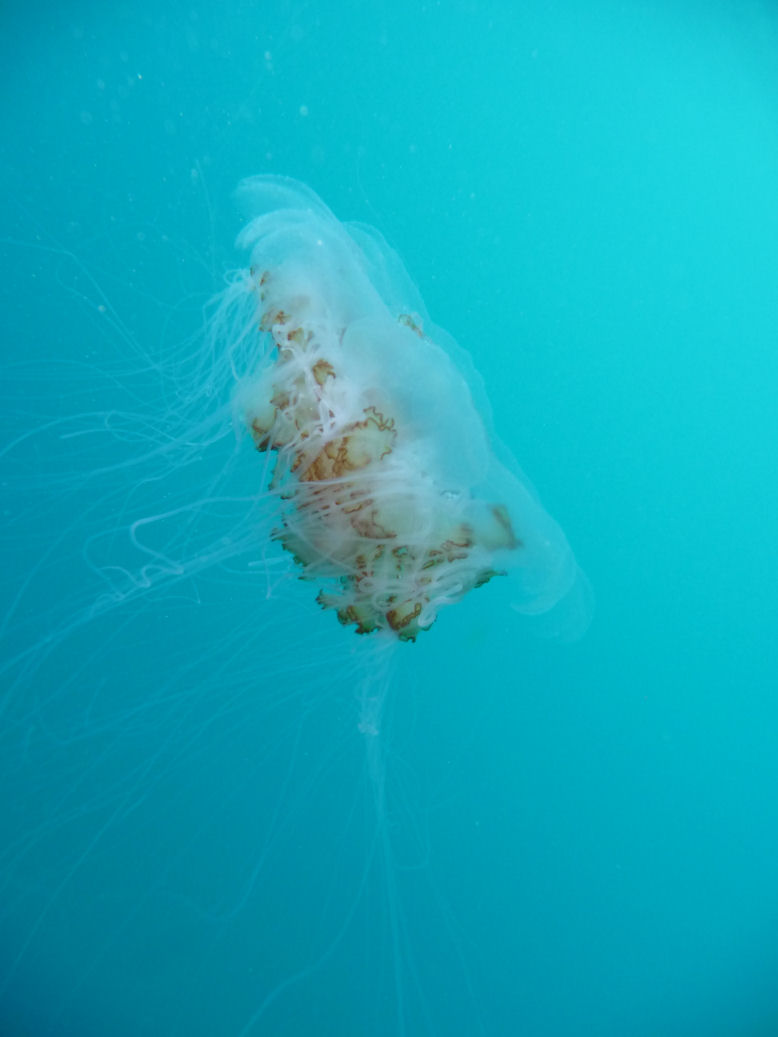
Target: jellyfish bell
{"type": "Point", "coordinates": [392, 496]}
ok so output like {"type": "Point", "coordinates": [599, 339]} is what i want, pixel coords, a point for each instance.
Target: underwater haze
{"type": "Point", "coordinates": [223, 811]}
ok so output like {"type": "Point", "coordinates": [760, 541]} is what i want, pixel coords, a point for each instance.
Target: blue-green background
{"type": "Point", "coordinates": [583, 839]}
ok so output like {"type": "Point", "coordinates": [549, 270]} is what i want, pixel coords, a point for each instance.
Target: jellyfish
{"type": "Point", "coordinates": [233, 557]}
{"type": "Point", "coordinates": [392, 497]}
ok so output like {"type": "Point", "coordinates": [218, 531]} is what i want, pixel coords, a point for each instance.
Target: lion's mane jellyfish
{"type": "Point", "coordinates": [392, 496]}
{"type": "Point", "coordinates": [155, 711]}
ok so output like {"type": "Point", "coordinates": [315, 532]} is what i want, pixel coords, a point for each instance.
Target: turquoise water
{"type": "Point", "coordinates": [557, 838]}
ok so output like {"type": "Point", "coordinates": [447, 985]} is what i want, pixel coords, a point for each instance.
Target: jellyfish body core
{"type": "Point", "coordinates": [390, 493]}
